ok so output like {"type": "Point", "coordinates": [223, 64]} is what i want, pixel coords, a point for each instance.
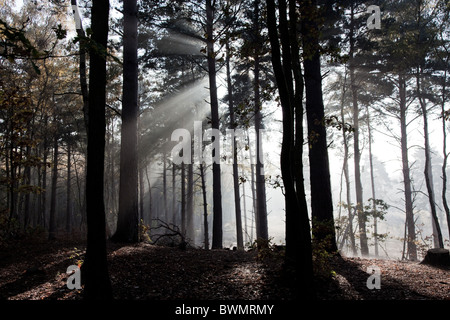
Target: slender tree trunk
{"type": "Point", "coordinates": [356, 149]}
{"type": "Point", "coordinates": [82, 68]}
{"type": "Point", "coordinates": [69, 190]}
{"type": "Point", "coordinates": [205, 208]}
{"type": "Point", "coordinates": [95, 268]}
{"type": "Point", "coordinates": [12, 185]}
{"type": "Point", "coordinates": [253, 188]}
{"type": "Point", "coordinates": [27, 181]}
{"type": "Point", "coordinates": [52, 221]}
{"type": "Point", "coordinates": [183, 199]}
{"type": "Point", "coordinates": [43, 207]}
{"type": "Point", "coordinates": [141, 193]}
{"type": "Point", "coordinates": [298, 103]}
{"type": "Point", "coordinates": [237, 197]}
{"type": "Point", "coordinates": [261, 206]}
{"type": "Point", "coordinates": [349, 229]}
{"type": "Point", "coordinates": [411, 234]}
{"type": "Point", "coordinates": [190, 202]}
{"type": "Point", "coordinates": [217, 189]}
{"type": "Point", "coordinates": [173, 193]}
{"type": "Point", "coordinates": [372, 183]}
{"type": "Point", "coordinates": [244, 202]}
{"type": "Point", "coordinates": [444, 151]}
{"type": "Point", "coordinates": [128, 217]}
{"type": "Point", "coordinates": [150, 199]}
{"type": "Point", "coordinates": [112, 175]}
{"type": "Point", "coordinates": [437, 234]}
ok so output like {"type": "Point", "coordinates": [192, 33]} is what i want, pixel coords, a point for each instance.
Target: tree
{"type": "Point", "coordinates": [321, 198]}
{"type": "Point", "coordinates": [391, 58]}
{"type": "Point", "coordinates": [237, 197]}
{"type": "Point", "coordinates": [128, 218]}
{"type": "Point", "coordinates": [82, 65]}
{"type": "Point", "coordinates": [424, 44]}
{"type": "Point", "coordinates": [261, 206]}
{"type": "Point", "coordinates": [95, 268]}
{"type": "Point", "coordinates": [357, 151]}
{"type": "Point", "coordinates": [52, 219]}
{"type": "Point", "coordinates": [217, 188]}
{"type": "Point", "coordinates": [298, 242]}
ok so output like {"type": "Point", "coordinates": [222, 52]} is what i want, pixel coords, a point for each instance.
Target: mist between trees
{"type": "Point", "coordinates": [119, 120]}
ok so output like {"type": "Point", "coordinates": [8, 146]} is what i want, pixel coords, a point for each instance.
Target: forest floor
{"type": "Point", "coordinates": [149, 272]}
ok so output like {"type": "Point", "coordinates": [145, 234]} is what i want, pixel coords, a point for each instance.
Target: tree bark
{"type": "Point", "coordinates": [261, 206]}
{"type": "Point", "coordinates": [82, 68]}
{"type": "Point", "coordinates": [349, 229]}
{"type": "Point", "coordinates": [173, 191]}
{"type": "Point", "coordinates": [298, 245]}
{"type": "Point", "coordinates": [372, 183]}
{"type": "Point", "coordinates": [237, 196]}
{"type": "Point", "coordinates": [190, 203]}
{"type": "Point", "coordinates": [428, 172]}
{"type": "Point", "coordinates": [95, 268]}
{"type": "Point", "coordinates": [444, 151]}
{"type": "Point", "coordinates": [128, 217]}
{"type": "Point", "coordinates": [205, 208]}
{"type": "Point", "coordinates": [437, 257]}
{"type": "Point", "coordinates": [150, 199]}
{"type": "Point", "coordinates": [183, 199]}
{"type": "Point", "coordinates": [68, 191]}
{"type": "Point", "coordinates": [217, 189]}
{"type": "Point", "coordinates": [52, 218]}
{"type": "Point", "coordinates": [356, 149]}
{"type": "Point", "coordinates": [321, 198]}
{"type": "Point", "coordinates": [411, 230]}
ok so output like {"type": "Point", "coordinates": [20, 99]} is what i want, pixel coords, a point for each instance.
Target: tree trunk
{"type": "Point", "coordinates": [205, 208]}
{"type": "Point", "coordinates": [237, 196]}
{"type": "Point", "coordinates": [437, 257]}
{"type": "Point", "coordinates": [298, 248]}
{"type": "Point", "coordinates": [43, 207]}
{"type": "Point", "coordinates": [95, 268]}
{"type": "Point", "coordinates": [82, 69]}
{"type": "Point", "coordinates": [428, 172]}
{"type": "Point", "coordinates": [321, 198]}
{"type": "Point", "coordinates": [52, 219]}
{"type": "Point", "coordinates": [356, 149]}
{"type": "Point", "coordinates": [190, 202]}
{"type": "Point", "coordinates": [173, 192]}
{"type": "Point", "coordinates": [253, 188]}
{"type": "Point", "coordinates": [27, 181]}
{"type": "Point", "coordinates": [349, 229]}
{"type": "Point", "coordinates": [183, 199]}
{"type": "Point", "coordinates": [261, 206]}
{"type": "Point", "coordinates": [372, 183]}
{"type": "Point", "coordinates": [150, 199]}
{"type": "Point", "coordinates": [217, 189]}
{"type": "Point", "coordinates": [245, 232]}
{"type": "Point", "coordinates": [444, 151]}
{"type": "Point", "coordinates": [411, 230]}
{"type": "Point", "coordinates": [68, 191]}
{"type": "Point", "coordinates": [128, 217]}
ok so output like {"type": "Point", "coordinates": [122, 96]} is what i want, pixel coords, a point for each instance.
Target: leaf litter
{"type": "Point", "coordinates": [149, 272]}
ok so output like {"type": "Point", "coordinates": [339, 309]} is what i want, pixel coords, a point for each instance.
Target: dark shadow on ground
{"type": "Point", "coordinates": [390, 289]}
